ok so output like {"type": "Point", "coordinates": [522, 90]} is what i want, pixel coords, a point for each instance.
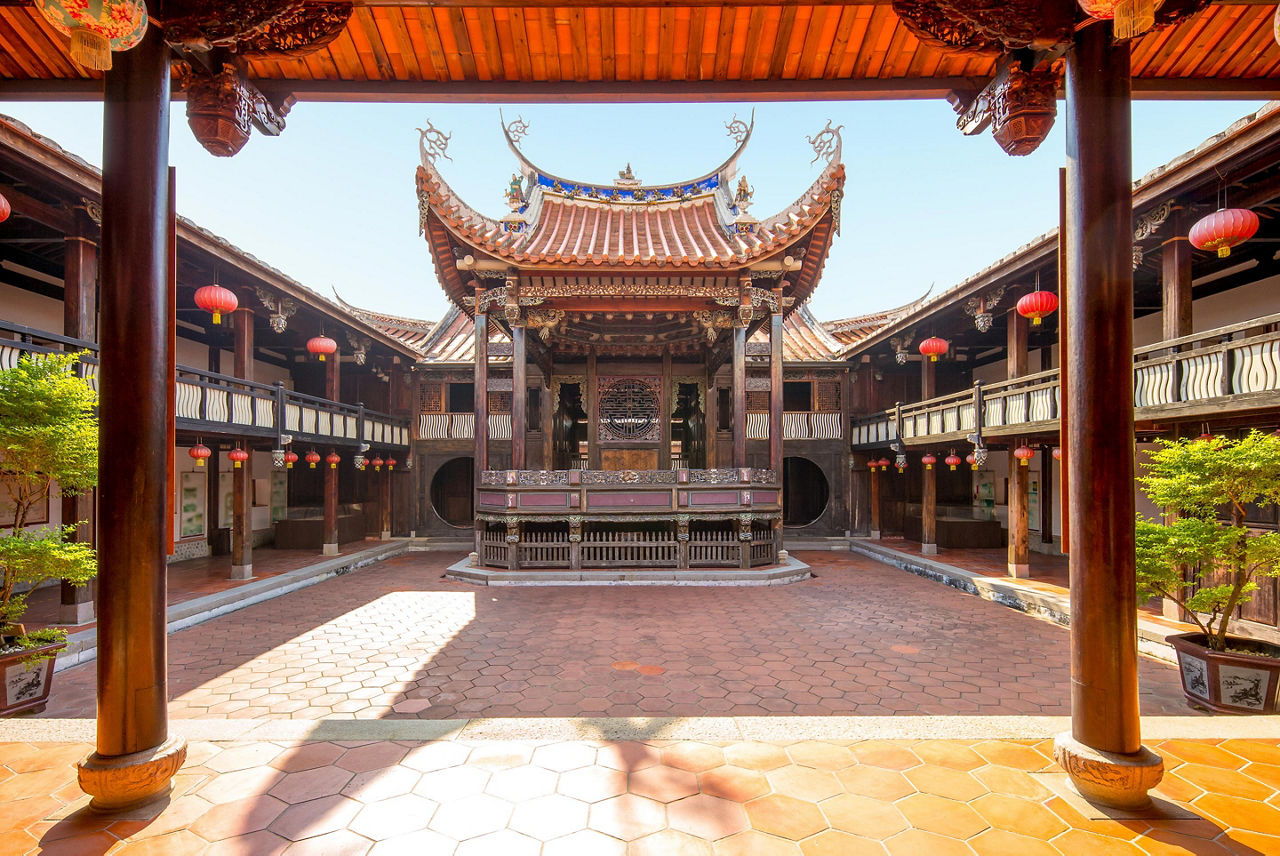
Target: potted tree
{"type": "Point", "coordinates": [48, 437]}
{"type": "Point", "coordinates": [1208, 560]}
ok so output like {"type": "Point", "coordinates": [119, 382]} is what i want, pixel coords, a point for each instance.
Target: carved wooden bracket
{"type": "Point", "coordinates": [224, 107]}
{"type": "Point", "coordinates": [1019, 105]}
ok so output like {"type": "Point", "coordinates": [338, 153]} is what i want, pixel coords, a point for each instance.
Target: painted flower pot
{"type": "Point", "coordinates": [1228, 682]}
{"type": "Point", "coordinates": [28, 674]}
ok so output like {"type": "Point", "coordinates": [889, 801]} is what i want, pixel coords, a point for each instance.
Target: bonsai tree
{"type": "Point", "coordinates": [48, 436]}
{"type": "Point", "coordinates": [1208, 484]}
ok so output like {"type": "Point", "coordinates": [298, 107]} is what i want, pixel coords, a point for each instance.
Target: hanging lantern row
{"type": "Point", "coordinates": [1130, 18]}
{"type": "Point", "coordinates": [5, 208]}
{"type": "Point", "coordinates": [216, 300]}
{"type": "Point", "coordinates": [200, 453]}
{"type": "Point", "coordinates": [97, 27]}
{"type": "Point", "coordinates": [321, 346]}
{"type": "Point", "coordinates": [312, 458]}
{"type": "Point", "coordinates": [1224, 229]}
{"type": "Point", "coordinates": [290, 458]}
{"type": "Point", "coordinates": [377, 463]}
{"type": "Point", "coordinates": [1024, 455]}
{"type": "Point", "coordinates": [332, 460]}
{"type": "Point", "coordinates": [1037, 305]}
{"type": "Point", "coordinates": [237, 456]}
{"type": "Point", "coordinates": [928, 460]}
{"type": "Point", "coordinates": [933, 347]}
{"type": "Point", "coordinates": [953, 461]}
{"type": "Point", "coordinates": [971, 460]}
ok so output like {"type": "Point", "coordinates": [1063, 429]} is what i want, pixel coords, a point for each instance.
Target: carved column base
{"type": "Point", "coordinates": [121, 782]}
{"type": "Point", "coordinates": [1109, 778]}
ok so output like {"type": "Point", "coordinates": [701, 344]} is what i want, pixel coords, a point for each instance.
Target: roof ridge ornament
{"type": "Point", "coordinates": [826, 143]}
{"type": "Point", "coordinates": [738, 129]}
{"type": "Point", "coordinates": [432, 143]}
{"type": "Point", "coordinates": [517, 128]}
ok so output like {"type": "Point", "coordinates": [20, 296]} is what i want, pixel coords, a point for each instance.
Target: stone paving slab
{"type": "Point", "coordinates": [638, 797]}
{"type": "Point", "coordinates": [397, 641]}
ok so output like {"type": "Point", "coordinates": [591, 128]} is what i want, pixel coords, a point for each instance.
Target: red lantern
{"type": "Point", "coordinates": [216, 299]}
{"type": "Point", "coordinates": [377, 464]}
{"type": "Point", "coordinates": [332, 460]}
{"type": "Point", "coordinates": [237, 456]}
{"type": "Point", "coordinates": [391, 464]}
{"type": "Point", "coordinates": [953, 461]}
{"type": "Point", "coordinates": [290, 458]}
{"type": "Point", "coordinates": [1023, 454]}
{"type": "Point", "coordinates": [313, 458]}
{"type": "Point", "coordinates": [5, 209]}
{"type": "Point", "coordinates": [1131, 17]}
{"type": "Point", "coordinates": [971, 460]}
{"type": "Point", "coordinates": [1224, 229]}
{"type": "Point", "coordinates": [199, 452]}
{"type": "Point", "coordinates": [97, 28]}
{"type": "Point", "coordinates": [883, 463]}
{"type": "Point", "coordinates": [1036, 305]}
{"type": "Point", "coordinates": [933, 347]}
{"type": "Point", "coordinates": [928, 461]}
{"type": "Point", "coordinates": [1057, 453]}
{"type": "Point", "coordinates": [321, 345]}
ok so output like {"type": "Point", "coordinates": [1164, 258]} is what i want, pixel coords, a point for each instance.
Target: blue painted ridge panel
{"type": "Point", "coordinates": [637, 194]}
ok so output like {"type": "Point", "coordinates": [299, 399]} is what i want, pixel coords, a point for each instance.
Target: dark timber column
{"type": "Point", "coordinates": [664, 410]}
{"type": "Point", "coordinates": [713, 417]}
{"type": "Point", "coordinates": [1103, 753]}
{"type": "Point", "coordinates": [875, 504]}
{"type": "Point", "coordinates": [740, 395]}
{"type": "Point", "coordinates": [929, 512]}
{"type": "Point", "coordinates": [135, 758]}
{"type": "Point", "coordinates": [1176, 271]}
{"type": "Point", "coordinates": [481, 390]}
{"type": "Point", "coordinates": [519, 395]}
{"type": "Point", "coordinates": [928, 379]}
{"type": "Point", "coordinates": [79, 321]}
{"type": "Point", "coordinates": [1019, 559]}
{"type": "Point", "coordinates": [593, 418]}
{"type": "Point", "coordinates": [775, 386]}
{"type": "Point", "coordinates": [242, 476]}
{"type": "Point", "coordinates": [332, 367]}
{"type": "Point", "coordinates": [1046, 495]}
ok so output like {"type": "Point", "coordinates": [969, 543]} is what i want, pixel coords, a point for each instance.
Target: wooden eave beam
{"type": "Point", "coordinates": [53, 216]}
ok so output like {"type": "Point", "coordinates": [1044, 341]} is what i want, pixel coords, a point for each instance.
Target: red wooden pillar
{"type": "Point", "coordinates": [775, 387]}
{"type": "Point", "coordinates": [929, 512]}
{"type": "Point", "coordinates": [480, 399]}
{"type": "Point", "coordinates": [875, 504]}
{"type": "Point", "coordinates": [135, 759]}
{"type": "Point", "coordinates": [332, 377]}
{"type": "Point", "coordinates": [385, 489]}
{"type": "Point", "coordinates": [242, 476]}
{"type": "Point", "coordinates": [1176, 312]}
{"type": "Point", "coordinates": [519, 395]}
{"type": "Point", "coordinates": [1103, 754]}
{"type": "Point", "coordinates": [79, 321]}
{"type": "Point", "coordinates": [1019, 552]}
{"type": "Point", "coordinates": [740, 396]}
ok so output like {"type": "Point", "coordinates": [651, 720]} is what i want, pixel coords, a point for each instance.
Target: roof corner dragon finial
{"type": "Point", "coordinates": [826, 143]}
{"type": "Point", "coordinates": [433, 143]}
{"type": "Point", "coordinates": [737, 129]}
{"type": "Point", "coordinates": [517, 129]}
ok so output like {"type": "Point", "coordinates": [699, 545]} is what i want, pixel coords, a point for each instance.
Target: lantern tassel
{"type": "Point", "coordinates": [1224, 251]}
{"type": "Point", "coordinates": [1035, 322]}
{"type": "Point", "coordinates": [90, 49]}
{"type": "Point", "coordinates": [1133, 18]}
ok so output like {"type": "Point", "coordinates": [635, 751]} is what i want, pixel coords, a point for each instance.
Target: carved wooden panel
{"type": "Point", "coordinates": [431, 397]}
{"type": "Point", "coordinates": [627, 409]}
{"type": "Point", "coordinates": [757, 401]}
{"type": "Point", "coordinates": [629, 459]}
{"type": "Point", "coordinates": [499, 402]}
{"type": "Point", "coordinates": [826, 396]}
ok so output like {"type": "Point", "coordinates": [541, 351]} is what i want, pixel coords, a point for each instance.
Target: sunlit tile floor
{"type": "Point", "coordinates": [509, 798]}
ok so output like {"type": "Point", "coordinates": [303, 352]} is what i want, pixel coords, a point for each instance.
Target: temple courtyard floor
{"type": "Point", "coordinates": [867, 710]}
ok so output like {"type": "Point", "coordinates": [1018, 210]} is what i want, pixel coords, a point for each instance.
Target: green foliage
{"type": "Point", "coordinates": [1200, 480]}
{"type": "Point", "coordinates": [48, 436]}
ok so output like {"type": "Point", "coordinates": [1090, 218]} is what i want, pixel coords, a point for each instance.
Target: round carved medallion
{"type": "Point", "coordinates": [629, 410]}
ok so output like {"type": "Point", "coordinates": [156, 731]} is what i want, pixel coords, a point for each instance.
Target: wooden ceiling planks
{"type": "Point", "coordinates": [613, 43]}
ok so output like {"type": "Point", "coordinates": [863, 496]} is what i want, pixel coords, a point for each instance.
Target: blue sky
{"type": "Point", "coordinates": [331, 202]}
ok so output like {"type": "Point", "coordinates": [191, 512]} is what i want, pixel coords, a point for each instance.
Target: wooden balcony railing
{"type": "Point", "coordinates": [214, 403]}
{"type": "Point", "coordinates": [796, 425]}
{"type": "Point", "coordinates": [462, 426]}
{"type": "Point", "coordinates": [1233, 367]}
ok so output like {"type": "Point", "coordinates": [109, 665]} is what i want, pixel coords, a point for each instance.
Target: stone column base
{"type": "Point", "coordinates": [1019, 572]}
{"type": "Point", "coordinates": [1109, 778]}
{"type": "Point", "coordinates": [330, 550]}
{"type": "Point", "coordinates": [385, 535]}
{"type": "Point", "coordinates": [76, 613]}
{"type": "Point", "coordinates": [875, 535]}
{"type": "Point", "coordinates": [121, 782]}
{"type": "Point", "coordinates": [929, 549]}
{"type": "Point", "coordinates": [241, 572]}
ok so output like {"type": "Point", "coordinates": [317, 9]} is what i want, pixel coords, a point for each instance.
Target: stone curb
{"type": "Point", "coordinates": [793, 570]}
{"type": "Point", "coordinates": [784, 729]}
{"type": "Point", "coordinates": [82, 647]}
{"type": "Point", "coordinates": [1008, 592]}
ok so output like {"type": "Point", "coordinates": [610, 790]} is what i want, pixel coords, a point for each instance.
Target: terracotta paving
{"type": "Point", "coordinates": [398, 641]}
{"type": "Point", "coordinates": [599, 798]}
{"type": "Point", "coordinates": [196, 578]}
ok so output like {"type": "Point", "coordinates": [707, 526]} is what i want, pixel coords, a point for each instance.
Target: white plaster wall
{"type": "Point", "coordinates": [1219, 310]}
{"type": "Point", "coordinates": [29, 309]}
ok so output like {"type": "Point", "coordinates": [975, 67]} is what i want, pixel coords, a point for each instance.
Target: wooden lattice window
{"type": "Point", "coordinates": [757, 401]}
{"type": "Point", "coordinates": [431, 396]}
{"type": "Point", "coordinates": [499, 402]}
{"type": "Point", "coordinates": [827, 396]}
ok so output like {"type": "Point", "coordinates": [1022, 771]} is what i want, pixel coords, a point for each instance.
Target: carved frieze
{"type": "Point", "coordinates": [300, 30]}
{"type": "Point", "coordinates": [258, 27]}
{"type": "Point", "coordinates": [988, 26]}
